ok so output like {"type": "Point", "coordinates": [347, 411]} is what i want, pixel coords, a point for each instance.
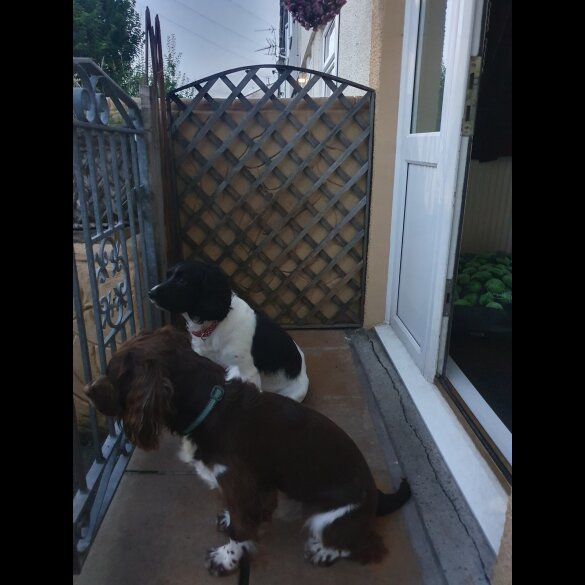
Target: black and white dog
{"type": "Point", "coordinates": [225, 329]}
{"type": "Point", "coordinates": [253, 446]}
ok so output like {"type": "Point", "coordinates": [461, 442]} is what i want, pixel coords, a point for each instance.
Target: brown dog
{"type": "Point", "coordinates": [250, 444]}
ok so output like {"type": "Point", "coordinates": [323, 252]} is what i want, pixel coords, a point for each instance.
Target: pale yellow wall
{"type": "Point", "coordinates": [503, 569]}
{"type": "Point", "coordinates": [385, 57]}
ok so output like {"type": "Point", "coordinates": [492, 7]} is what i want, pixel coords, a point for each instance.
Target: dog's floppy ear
{"type": "Point", "coordinates": [148, 403]}
{"type": "Point", "coordinates": [216, 295]}
{"type": "Point", "coordinates": [106, 392]}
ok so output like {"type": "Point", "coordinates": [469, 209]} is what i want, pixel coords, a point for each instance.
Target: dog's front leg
{"type": "Point", "coordinates": [244, 369]}
{"type": "Point", "coordinates": [223, 521]}
{"type": "Point", "coordinates": [247, 506]}
{"type": "Point", "coordinates": [224, 560]}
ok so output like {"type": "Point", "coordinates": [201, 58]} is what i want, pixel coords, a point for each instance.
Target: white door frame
{"type": "Point", "coordinates": [436, 150]}
{"type": "Point", "coordinates": [460, 186]}
{"type": "Point", "coordinates": [474, 401]}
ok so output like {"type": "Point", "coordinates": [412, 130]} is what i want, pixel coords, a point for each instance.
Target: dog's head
{"type": "Point", "coordinates": [199, 289]}
{"type": "Point", "coordinates": [136, 388]}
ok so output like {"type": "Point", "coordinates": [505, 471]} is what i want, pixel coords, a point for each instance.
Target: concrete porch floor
{"type": "Point", "coordinates": [162, 518]}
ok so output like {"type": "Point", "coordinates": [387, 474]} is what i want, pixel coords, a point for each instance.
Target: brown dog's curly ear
{"type": "Point", "coordinates": [148, 403]}
{"type": "Point", "coordinates": [107, 392]}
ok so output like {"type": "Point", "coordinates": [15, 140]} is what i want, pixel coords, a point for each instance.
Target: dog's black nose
{"type": "Point", "coordinates": [151, 294]}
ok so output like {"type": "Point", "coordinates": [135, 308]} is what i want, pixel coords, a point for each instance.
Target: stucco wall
{"type": "Point", "coordinates": [384, 77]}
{"type": "Point", "coordinates": [353, 53]}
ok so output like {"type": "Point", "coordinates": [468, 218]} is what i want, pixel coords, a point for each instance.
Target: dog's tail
{"type": "Point", "coordinates": [388, 503]}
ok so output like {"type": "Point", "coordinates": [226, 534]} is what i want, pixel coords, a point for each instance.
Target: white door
{"type": "Point", "coordinates": [436, 50]}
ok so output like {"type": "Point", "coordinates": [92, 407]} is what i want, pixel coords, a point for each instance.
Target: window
{"type": "Point", "coordinates": [330, 37]}
{"type": "Point", "coordinates": [430, 68]}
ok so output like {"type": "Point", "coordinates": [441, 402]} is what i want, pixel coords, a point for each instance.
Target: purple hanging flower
{"type": "Point", "coordinates": [311, 14]}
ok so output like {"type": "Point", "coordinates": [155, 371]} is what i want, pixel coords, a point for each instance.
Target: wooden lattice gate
{"type": "Point", "coordinates": [272, 183]}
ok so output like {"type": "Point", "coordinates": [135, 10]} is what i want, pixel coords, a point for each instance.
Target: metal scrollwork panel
{"type": "Point", "coordinates": [115, 300]}
{"type": "Point", "coordinates": [114, 262]}
{"type": "Point", "coordinates": [106, 121]}
{"type": "Point", "coordinates": [111, 178]}
{"type": "Point", "coordinates": [90, 104]}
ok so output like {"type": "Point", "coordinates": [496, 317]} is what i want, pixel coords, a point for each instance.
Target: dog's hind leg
{"type": "Point", "coordinates": [353, 534]}
{"type": "Point", "coordinates": [317, 551]}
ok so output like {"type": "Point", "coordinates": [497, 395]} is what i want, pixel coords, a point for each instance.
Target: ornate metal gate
{"type": "Point", "coordinates": [114, 264]}
{"type": "Point", "coordinates": [272, 183]}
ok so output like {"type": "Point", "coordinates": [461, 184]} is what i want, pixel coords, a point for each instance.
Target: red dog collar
{"type": "Point", "coordinates": [206, 331]}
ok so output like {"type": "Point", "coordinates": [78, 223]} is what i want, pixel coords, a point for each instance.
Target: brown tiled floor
{"type": "Point", "coordinates": [162, 518]}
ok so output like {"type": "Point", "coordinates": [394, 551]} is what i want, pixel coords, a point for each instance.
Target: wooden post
{"type": "Point", "coordinates": [155, 162]}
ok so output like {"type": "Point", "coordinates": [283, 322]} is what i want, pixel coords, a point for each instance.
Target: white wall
{"type": "Point", "coordinates": [299, 49]}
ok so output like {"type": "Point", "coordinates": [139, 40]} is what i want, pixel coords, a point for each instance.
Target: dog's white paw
{"type": "Point", "coordinates": [233, 372]}
{"type": "Point", "coordinates": [225, 559]}
{"type": "Point", "coordinates": [222, 560]}
{"type": "Point", "coordinates": [223, 521]}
